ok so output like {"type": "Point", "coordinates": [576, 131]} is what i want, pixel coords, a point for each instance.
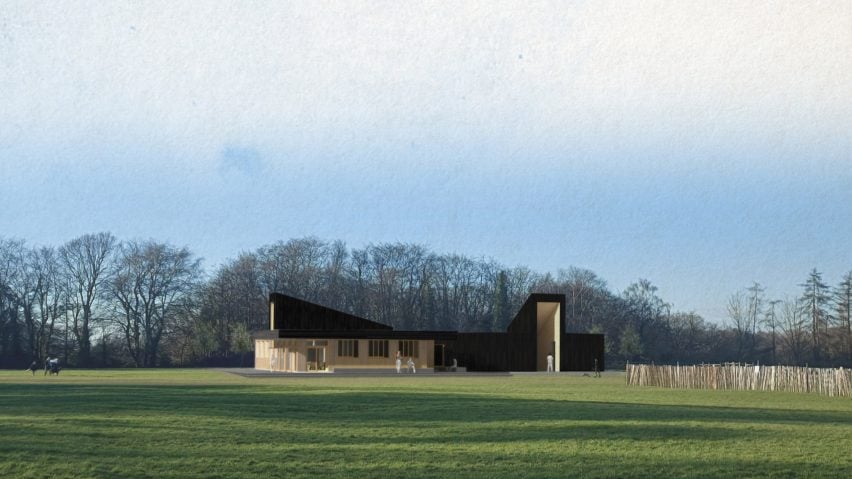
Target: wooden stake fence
{"type": "Point", "coordinates": [746, 377]}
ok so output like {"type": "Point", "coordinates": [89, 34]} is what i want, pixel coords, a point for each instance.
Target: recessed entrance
{"type": "Point", "coordinates": [548, 331]}
{"type": "Point", "coordinates": [316, 359]}
{"type": "Point", "coordinates": [439, 355]}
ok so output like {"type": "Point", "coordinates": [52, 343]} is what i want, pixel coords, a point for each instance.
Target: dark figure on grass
{"type": "Point", "coordinates": [52, 366]}
{"type": "Point", "coordinates": [33, 367]}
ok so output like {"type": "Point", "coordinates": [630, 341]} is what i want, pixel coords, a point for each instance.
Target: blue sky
{"type": "Point", "coordinates": [701, 145]}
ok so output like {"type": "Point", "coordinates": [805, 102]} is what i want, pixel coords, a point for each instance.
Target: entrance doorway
{"type": "Point", "coordinates": [548, 332]}
{"type": "Point", "coordinates": [439, 355]}
{"type": "Point", "coordinates": [316, 359]}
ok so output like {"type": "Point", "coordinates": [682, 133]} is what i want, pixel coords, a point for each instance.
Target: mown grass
{"type": "Point", "coordinates": [200, 423]}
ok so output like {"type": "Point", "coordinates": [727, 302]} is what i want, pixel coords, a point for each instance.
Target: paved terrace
{"type": "Point", "coordinates": [260, 373]}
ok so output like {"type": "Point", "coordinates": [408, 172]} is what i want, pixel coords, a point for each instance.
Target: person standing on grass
{"type": "Point", "coordinates": [550, 362]}
{"type": "Point", "coordinates": [33, 367]}
{"type": "Point", "coordinates": [398, 362]}
{"type": "Point", "coordinates": [411, 366]}
{"type": "Point", "coordinates": [47, 365]}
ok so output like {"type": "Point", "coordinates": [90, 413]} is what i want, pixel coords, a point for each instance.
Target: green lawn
{"type": "Point", "coordinates": [201, 423]}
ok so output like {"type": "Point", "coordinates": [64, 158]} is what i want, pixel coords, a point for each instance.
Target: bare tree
{"type": "Point", "coordinates": [151, 281]}
{"type": "Point", "coordinates": [334, 292]}
{"type": "Point", "coordinates": [11, 252]}
{"type": "Point", "coordinates": [686, 331]}
{"type": "Point", "coordinates": [296, 267]}
{"type": "Point", "coordinates": [647, 312]}
{"type": "Point", "coordinates": [770, 320]}
{"type": "Point", "coordinates": [398, 271]}
{"type": "Point", "coordinates": [521, 281]}
{"type": "Point", "coordinates": [456, 279]}
{"type": "Point", "coordinates": [46, 298]}
{"type": "Point", "coordinates": [753, 311]}
{"type": "Point", "coordinates": [86, 261]}
{"type": "Point", "coordinates": [582, 287]}
{"type": "Point", "coordinates": [738, 314]}
{"type": "Point", "coordinates": [24, 287]}
{"type": "Point", "coordinates": [794, 326]}
{"type": "Point", "coordinates": [234, 299]}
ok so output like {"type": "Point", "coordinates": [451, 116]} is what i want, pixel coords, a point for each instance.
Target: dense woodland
{"type": "Point", "coordinates": [96, 301]}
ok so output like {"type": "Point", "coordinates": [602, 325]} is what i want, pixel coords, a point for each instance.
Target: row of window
{"type": "Point", "coordinates": [376, 348]}
{"type": "Point", "coordinates": [408, 348]}
{"type": "Point", "coordinates": [347, 347]}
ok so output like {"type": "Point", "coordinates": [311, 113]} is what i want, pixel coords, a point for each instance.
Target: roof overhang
{"type": "Point", "coordinates": [357, 334]}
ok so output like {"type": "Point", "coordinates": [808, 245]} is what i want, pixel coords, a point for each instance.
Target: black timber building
{"type": "Point", "coordinates": [305, 336]}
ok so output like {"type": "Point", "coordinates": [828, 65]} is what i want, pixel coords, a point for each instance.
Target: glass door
{"type": "Point", "coordinates": [316, 359]}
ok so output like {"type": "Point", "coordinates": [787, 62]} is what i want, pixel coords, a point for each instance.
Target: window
{"type": "Point", "coordinates": [378, 348]}
{"type": "Point", "coordinates": [408, 348]}
{"type": "Point", "coordinates": [347, 347]}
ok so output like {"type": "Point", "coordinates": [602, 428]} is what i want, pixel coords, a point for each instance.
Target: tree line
{"type": "Point", "coordinates": [813, 328]}
{"type": "Point", "coordinates": [96, 301]}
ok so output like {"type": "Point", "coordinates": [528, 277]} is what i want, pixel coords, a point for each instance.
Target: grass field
{"type": "Point", "coordinates": [204, 423]}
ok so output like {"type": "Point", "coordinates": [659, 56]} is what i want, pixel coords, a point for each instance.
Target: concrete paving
{"type": "Point", "coordinates": [391, 372]}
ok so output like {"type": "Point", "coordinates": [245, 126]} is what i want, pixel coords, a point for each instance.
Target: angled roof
{"type": "Point", "coordinates": [525, 320]}
{"type": "Point", "coordinates": [297, 314]}
{"type": "Point", "coordinates": [297, 318]}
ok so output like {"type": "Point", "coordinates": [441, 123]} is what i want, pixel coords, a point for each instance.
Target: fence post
{"type": "Point", "coordinates": [826, 381]}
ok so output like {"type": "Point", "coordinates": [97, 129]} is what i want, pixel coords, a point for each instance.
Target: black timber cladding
{"type": "Point", "coordinates": [523, 330]}
{"type": "Point", "coordinates": [293, 313]}
{"type": "Point", "coordinates": [480, 351]}
{"type": "Point", "coordinates": [514, 350]}
{"type": "Point", "coordinates": [356, 334]}
{"type": "Point", "coordinates": [579, 352]}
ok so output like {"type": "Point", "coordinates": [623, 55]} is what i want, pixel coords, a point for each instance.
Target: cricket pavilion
{"type": "Point", "coordinates": [308, 337]}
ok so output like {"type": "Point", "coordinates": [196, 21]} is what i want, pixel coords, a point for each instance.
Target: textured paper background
{"type": "Point", "coordinates": [701, 145]}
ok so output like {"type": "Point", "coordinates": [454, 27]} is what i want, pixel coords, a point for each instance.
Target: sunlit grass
{"type": "Point", "coordinates": [202, 423]}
